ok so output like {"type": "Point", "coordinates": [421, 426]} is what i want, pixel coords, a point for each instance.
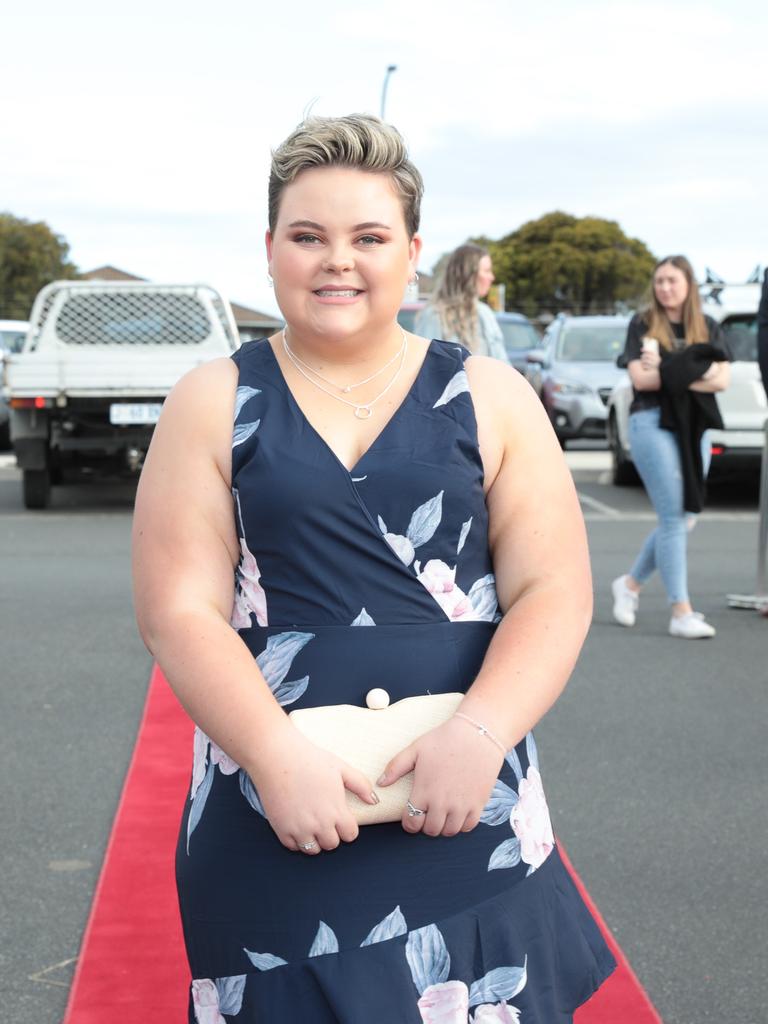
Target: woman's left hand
{"type": "Point", "coordinates": [455, 769]}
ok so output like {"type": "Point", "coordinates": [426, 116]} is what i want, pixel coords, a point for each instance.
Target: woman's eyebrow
{"type": "Point", "coordinates": [365, 226]}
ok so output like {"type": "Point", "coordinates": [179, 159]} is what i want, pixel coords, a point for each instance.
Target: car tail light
{"type": "Point", "coordinates": [718, 449]}
{"type": "Point", "coordinates": [31, 403]}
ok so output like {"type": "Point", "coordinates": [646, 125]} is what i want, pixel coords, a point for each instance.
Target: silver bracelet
{"type": "Point", "coordinates": [483, 730]}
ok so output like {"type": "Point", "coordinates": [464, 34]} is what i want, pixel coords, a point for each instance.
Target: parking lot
{"type": "Point", "coordinates": [654, 759]}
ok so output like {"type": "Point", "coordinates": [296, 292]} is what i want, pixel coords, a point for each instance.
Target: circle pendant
{"type": "Point", "coordinates": [363, 412]}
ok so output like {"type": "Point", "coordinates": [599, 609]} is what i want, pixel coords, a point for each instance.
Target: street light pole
{"type": "Point", "coordinates": [390, 69]}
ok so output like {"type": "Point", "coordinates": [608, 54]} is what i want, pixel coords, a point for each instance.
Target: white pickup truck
{"type": "Point", "coordinates": [86, 389]}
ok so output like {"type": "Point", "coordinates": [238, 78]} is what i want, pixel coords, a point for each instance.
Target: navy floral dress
{"type": "Point", "coordinates": [378, 577]}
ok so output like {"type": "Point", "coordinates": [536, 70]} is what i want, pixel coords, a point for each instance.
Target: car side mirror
{"type": "Point", "coordinates": [537, 357]}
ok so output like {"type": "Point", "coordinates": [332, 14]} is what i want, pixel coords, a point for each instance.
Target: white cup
{"type": "Point", "coordinates": [650, 345]}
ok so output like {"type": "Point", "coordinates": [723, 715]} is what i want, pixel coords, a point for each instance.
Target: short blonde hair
{"type": "Point", "coordinates": [361, 141]}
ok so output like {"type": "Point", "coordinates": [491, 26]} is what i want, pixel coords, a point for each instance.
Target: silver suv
{"type": "Point", "coordinates": [575, 371]}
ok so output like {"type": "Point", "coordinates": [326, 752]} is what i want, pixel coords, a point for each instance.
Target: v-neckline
{"type": "Point", "coordinates": [305, 419]}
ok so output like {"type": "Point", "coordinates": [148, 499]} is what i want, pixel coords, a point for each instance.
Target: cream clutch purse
{"type": "Point", "coordinates": [368, 738]}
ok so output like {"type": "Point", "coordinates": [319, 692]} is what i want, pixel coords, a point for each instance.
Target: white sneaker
{"type": "Point", "coordinates": [625, 602]}
{"type": "Point", "coordinates": [690, 627]}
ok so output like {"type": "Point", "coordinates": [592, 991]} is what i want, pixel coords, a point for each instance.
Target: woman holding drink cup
{"type": "Point", "coordinates": [672, 321]}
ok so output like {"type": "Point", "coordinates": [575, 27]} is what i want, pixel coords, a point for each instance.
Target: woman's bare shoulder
{"type": "Point", "coordinates": [197, 414]}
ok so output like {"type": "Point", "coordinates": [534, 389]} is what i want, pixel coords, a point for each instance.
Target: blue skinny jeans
{"type": "Point", "coordinates": [656, 455]}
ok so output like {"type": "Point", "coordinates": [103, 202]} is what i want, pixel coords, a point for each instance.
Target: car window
{"type": "Point", "coordinates": [584, 344]}
{"type": "Point", "coordinates": [741, 335]}
{"type": "Point", "coordinates": [519, 335]}
{"type": "Point", "coordinates": [12, 341]}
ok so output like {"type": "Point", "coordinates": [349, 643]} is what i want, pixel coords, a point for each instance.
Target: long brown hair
{"type": "Point", "coordinates": [659, 325]}
{"type": "Point", "coordinates": [455, 299]}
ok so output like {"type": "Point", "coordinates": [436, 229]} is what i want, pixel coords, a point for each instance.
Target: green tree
{"type": "Point", "coordinates": [562, 262]}
{"type": "Point", "coordinates": [31, 256]}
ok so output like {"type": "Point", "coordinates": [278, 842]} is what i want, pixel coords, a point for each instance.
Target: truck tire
{"type": "Point", "coordinates": [623, 472]}
{"type": "Point", "coordinates": [37, 488]}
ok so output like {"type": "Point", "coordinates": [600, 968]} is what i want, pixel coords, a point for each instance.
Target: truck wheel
{"type": "Point", "coordinates": [37, 488]}
{"type": "Point", "coordinates": [623, 472]}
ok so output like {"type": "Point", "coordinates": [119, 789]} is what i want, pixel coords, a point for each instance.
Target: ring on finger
{"type": "Point", "coordinates": [308, 846]}
{"type": "Point", "coordinates": [414, 812]}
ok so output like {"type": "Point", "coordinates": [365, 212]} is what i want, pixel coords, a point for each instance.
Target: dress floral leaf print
{"type": "Point", "coordinates": [506, 855]}
{"type": "Point", "coordinates": [325, 941]}
{"type": "Point", "coordinates": [465, 528]}
{"type": "Point", "coordinates": [531, 751]}
{"type": "Point", "coordinates": [363, 619]}
{"type": "Point", "coordinates": [501, 983]}
{"type": "Point", "coordinates": [198, 803]}
{"type": "Point", "coordinates": [482, 596]}
{"type": "Point", "coordinates": [250, 598]}
{"type": "Point", "coordinates": [513, 760]}
{"type": "Point", "coordinates": [242, 432]}
{"type": "Point", "coordinates": [455, 386]}
{"type": "Point", "coordinates": [205, 1001]}
{"type": "Point", "coordinates": [500, 804]}
{"type": "Point", "coordinates": [242, 395]}
{"type": "Point", "coordinates": [427, 956]}
{"type": "Point", "coordinates": [287, 693]}
{"type": "Point", "coordinates": [231, 994]}
{"type": "Point", "coordinates": [275, 661]}
{"type": "Point", "coordinates": [248, 790]}
{"type": "Point", "coordinates": [265, 961]}
{"type": "Point", "coordinates": [392, 925]}
{"type": "Point", "coordinates": [425, 520]}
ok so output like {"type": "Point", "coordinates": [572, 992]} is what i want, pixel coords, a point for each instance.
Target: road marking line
{"type": "Point", "coordinates": [598, 506]}
{"type": "Point", "coordinates": [40, 975]}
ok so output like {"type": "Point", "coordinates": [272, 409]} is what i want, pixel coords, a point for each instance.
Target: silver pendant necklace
{"type": "Point", "coordinates": [346, 388]}
{"type": "Point", "coordinates": [362, 410]}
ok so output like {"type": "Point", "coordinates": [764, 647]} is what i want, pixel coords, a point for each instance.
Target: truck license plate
{"type": "Point", "coordinates": [122, 413]}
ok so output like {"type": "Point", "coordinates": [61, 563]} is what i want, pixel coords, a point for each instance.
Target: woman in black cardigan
{"type": "Point", "coordinates": [677, 359]}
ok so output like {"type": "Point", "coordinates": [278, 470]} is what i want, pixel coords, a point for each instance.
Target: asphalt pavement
{"type": "Point", "coordinates": [654, 759]}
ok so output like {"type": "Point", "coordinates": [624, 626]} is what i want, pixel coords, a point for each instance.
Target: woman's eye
{"type": "Point", "coordinates": [370, 240]}
{"type": "Point", "coordinates": [306, 238]}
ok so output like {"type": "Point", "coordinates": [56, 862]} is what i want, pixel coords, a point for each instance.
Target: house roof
{"type": "Point", "coordinates": [109, 273]}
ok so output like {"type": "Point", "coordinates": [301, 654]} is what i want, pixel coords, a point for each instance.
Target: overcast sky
{"type": "Point", "coordinates": [142, 134]}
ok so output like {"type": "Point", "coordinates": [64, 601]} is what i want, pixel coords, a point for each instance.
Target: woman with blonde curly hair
{"type": "Point", "coordinates": [341, 516]}
{"type": "Point", "coordinates": [456, 312]}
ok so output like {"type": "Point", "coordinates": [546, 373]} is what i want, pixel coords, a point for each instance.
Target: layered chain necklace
{"type": "Point", "coordinates": [362, 410]}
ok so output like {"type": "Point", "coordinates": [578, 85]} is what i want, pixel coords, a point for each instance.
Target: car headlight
{"type": "Point", "coordinates": [571, 387]}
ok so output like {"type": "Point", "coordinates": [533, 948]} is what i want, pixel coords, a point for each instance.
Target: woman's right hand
{"type": "Point", "coordinates": [302, 789]}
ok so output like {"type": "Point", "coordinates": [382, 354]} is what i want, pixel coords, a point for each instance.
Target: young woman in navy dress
{"type": "Point", "coordinates": [337, 509]}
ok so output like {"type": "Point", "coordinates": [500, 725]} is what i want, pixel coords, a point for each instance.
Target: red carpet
{"type": "Point", "coordinates": [132, 965]}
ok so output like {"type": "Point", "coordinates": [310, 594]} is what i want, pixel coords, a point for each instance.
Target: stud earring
{"type": "Point", "coordinates": [270, 282]}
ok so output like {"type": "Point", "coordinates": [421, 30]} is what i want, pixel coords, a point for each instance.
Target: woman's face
{"type": "Point", "coordinates": [485, 276]}
{"type": "Point", "coordinates": [340, 255]}
{"type": "Point", "coordinates": [670, 286]}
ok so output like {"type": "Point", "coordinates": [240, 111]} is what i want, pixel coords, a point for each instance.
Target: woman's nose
{"type": "Point", "coordinates": [339, 260]}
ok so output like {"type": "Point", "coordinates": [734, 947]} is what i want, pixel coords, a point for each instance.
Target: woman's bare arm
{"type": "Point", "coordinates": [185, 550]}
{"type": "Point", "coordinates": [717, 378]}
{"type": "Point", "coordinates": [644, 377]}
{"type": "Point", "coordinates": [540, 556]}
